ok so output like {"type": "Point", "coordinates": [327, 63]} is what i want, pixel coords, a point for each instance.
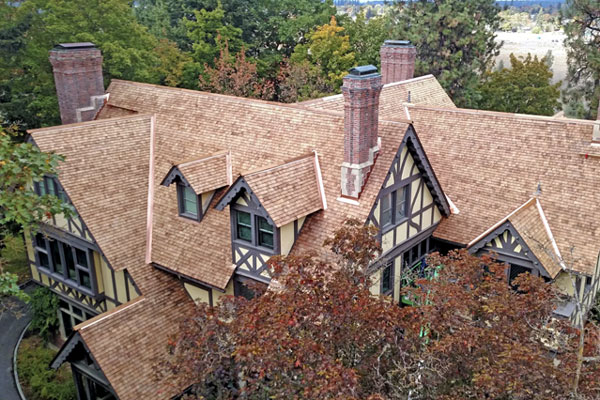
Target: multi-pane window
{"type": "Point", "coordinates": [71, 315]}
{"type": "Point", "coordinates": [394, 207]}
{"type": "Point", "coordinates": [254, 229]}
{"type": "Point", "coordinates": [265, 233]}
{"type": "Point", "coordinates": [387, 278]}
{"type": "Point", "coordinates": [49, 185]}
{"type": "Point", "coordinates": [244, 226]}
{"type": "Point", "coordinates": [64, 261]}
{"type": "Point", "coordinates": [188, 202]}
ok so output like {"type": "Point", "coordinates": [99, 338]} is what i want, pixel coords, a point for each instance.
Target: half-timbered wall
{"type": "Point", "coordinates": [109, 289]}
{"type": "Point", "coordinates": [404, 241]}
{"type": "Point", "coordinates": [422, 212]}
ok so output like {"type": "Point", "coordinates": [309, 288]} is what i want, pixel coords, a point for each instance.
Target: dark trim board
{"type": "Point", "coordinates": [174, 175]}
{"type": "Point", "coordinates": [236, 190]}
{"type": "Point", "coordinates": [526, 258]}
{"type": "Point", "coordinates": [186, 277]}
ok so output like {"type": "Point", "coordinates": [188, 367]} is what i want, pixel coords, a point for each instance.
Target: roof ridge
{"type": "Point", "coordinates": [273, 166]}
{"type": "Point", "coordinates": [204, 158]}
{"type": "Point", "coordinates": [411, 80]}
{"type": "Point", "coordinates": [501, 221]}
{"type": "Point", "coordinates": [101, 317]}
{"type": "Point", "coordinates": [538, 118]}
{"type": "Point", "coordinates": [94, 122]}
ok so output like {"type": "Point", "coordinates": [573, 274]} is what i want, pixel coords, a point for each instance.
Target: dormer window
{"type": "Point", "coordinates": [394, 207]}
{"type": "Point", "coordinates": [50, 186]}
{"type": "Point", "coordinates": [254, 229]}
{"type": "Point", "coordinates": [197, 181]}
{"type": "Point", "coordinates": [188, 202]}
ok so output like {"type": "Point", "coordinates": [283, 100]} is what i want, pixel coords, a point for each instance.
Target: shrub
{"type": "Point", "coordinates": [39, 382]}
{"type": "Point", "coordinates": [14, 257]}
{"type": "Point", "coordinates": [44, 305]}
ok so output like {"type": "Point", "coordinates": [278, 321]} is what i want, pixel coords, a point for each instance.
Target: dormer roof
{"type": "Point", "coordinates": [287, 191]}
{"type": "Point", "coordinates": [203, 174]}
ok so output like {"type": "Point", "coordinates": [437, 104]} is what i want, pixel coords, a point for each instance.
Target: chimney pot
{"type": "Point", "coordinates": [78, 79]}
{"type": "Point", "coordinates": [361, 90]}
{"type": "Point", "coordinates": [397, 60]}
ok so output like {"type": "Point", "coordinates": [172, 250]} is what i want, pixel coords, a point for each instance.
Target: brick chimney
{"type": "Point", "coordinates": [397, 60]}
{"type": "Point", "coordinates": [361, 90]}
{"type": "Point", "coordinates": [78, 79]}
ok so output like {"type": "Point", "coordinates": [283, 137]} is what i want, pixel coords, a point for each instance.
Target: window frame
{"type": "Point", "coordinates": [42, 188]}
{"type": "Point", "coordinates": [394, 220]}
{"type": "Point", "coordinates": [62, 274]}
{"type": "Point", "coordinates": [181, 189]}
{"type": "Point", "coordinates": [389, 266]}
{"type": "Point", "coordinates": [255, 231]}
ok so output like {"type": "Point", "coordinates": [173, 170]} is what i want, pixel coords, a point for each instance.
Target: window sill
{"type": "Point", "coordinates": [254, 247]}
{"type": "Point", "coordinates": [71, 283]}
{"type": "Point", "coordinates": [391, 227]}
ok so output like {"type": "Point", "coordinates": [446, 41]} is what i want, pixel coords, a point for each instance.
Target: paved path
{"type": "Point", "coordinates": [10, 330]}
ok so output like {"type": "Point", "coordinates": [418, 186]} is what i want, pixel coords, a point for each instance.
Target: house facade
{"type": "Point", "coordinates": [182, 196]}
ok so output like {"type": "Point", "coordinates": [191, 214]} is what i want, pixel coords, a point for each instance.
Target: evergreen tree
{"type": "Point", "coordinates": [582, 27]}
{"type": "Point", "coordinates": [454, 40]}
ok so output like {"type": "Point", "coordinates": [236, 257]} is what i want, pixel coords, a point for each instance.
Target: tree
{"type": "Point", "coordinates": [208, 32]}
{"type": "Point", "coordinates": [300, 81]}
{"type": "Point", "coordinates": [28, 93]}
{"type": "Point", "coordinates": [328, 48]}
{"type": "Point", "coordinates": [234, 75]}
{"type": "Point", "coordinates": [524, 88]}
{"type": "Point", "coordinates": [20, 165]}
{"type": "Point", "coordinates": [366, 37]}
{"type": "Point", "coordinates": [581, 21]}
{"type": "Point", "coordinates": [318, 332]}
{"type": "Point", "coordinates": [454, 40]}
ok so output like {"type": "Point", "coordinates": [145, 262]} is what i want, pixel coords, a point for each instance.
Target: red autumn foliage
{"type": "Point", "coordinates": [319, 333]}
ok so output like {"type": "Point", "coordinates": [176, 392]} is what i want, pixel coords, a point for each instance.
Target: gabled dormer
{"type": "Point", "coordinates": [268, 208]}
{"type": "Point", "coordinates": [197, 181]}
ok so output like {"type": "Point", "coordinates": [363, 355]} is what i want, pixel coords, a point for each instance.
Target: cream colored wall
{"type": "Point", "coordinates": [240, 200]}
{"type": "Point", "coordinates": [197, 294]}
{"type": "Point", "coordinates": [376, 283]}
{"type": "Point", "coordinates": [205, 198]}
{"type": "Point", "coordinates": [228, 292]}
{"type": "Point", "coordinates": [287, 238]}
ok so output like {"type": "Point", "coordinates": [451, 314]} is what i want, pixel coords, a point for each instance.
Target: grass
{"type": "Point", "coordinates": [38, 381]}
{"type": "Point", "coordinates": [13, 258]}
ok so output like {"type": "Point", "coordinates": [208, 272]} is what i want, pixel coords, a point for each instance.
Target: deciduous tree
{"type": "Point", "coordinates": [329, 48]}
{"type": "Point", "coordinates": [526, 87]}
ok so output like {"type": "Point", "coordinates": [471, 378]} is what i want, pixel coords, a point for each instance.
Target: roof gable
{"type": "Point", "coordinates": [286, 192]}
{"type": "Point", "coordinates": [523, 235]}
{"type": "Point", "coordinates": [204, 174]}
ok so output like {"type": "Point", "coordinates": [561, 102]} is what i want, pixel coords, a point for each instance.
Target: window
{"type": "Point", "coordinates": [71, 315]}
{"type": "Point", "coordinates": [244, 226]}
{"type": "Point", "coordinates": [188, 202]}
{"type": "Point", "coordinates": [387, 278]}
{"type": "Point", "coordinates": [64, 261]}
{"type": "Point", "coordinates": [265, 233]}
{"type": "Point", "coordinates": [248, 288]}
{"type": "Point", "coordinates": [254, 229]}
{"type": "Point", "coordinates": [50, 186]}
{"type": "Point", "coordinates": [394, 207]}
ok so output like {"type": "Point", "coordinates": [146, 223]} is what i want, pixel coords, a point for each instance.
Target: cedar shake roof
{"type": "Point", "coordinates": [129, 340]}
{"type": "Point", "coordinates": [424, 90]}
{"type": "Point", "coordinates": [208, 173]}
{"type": "Point", "coordinates": [530, 222]}
{"type": "Point", "coordinates": [190, 124]}
{"type": "Point", "coordinates": [288, 191]}
{"type": "Point", "coordinates": [489, 163]}
{"type": "Point", "coordinates": [105, 175]}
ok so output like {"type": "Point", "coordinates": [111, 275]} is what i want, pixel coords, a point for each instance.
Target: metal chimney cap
{"type": "Point", "coordinates": [75, 46]}
{"type": "Point", "coordinates": [397, 43]}
{"type": "Point", "coordinates": [363, 70]}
